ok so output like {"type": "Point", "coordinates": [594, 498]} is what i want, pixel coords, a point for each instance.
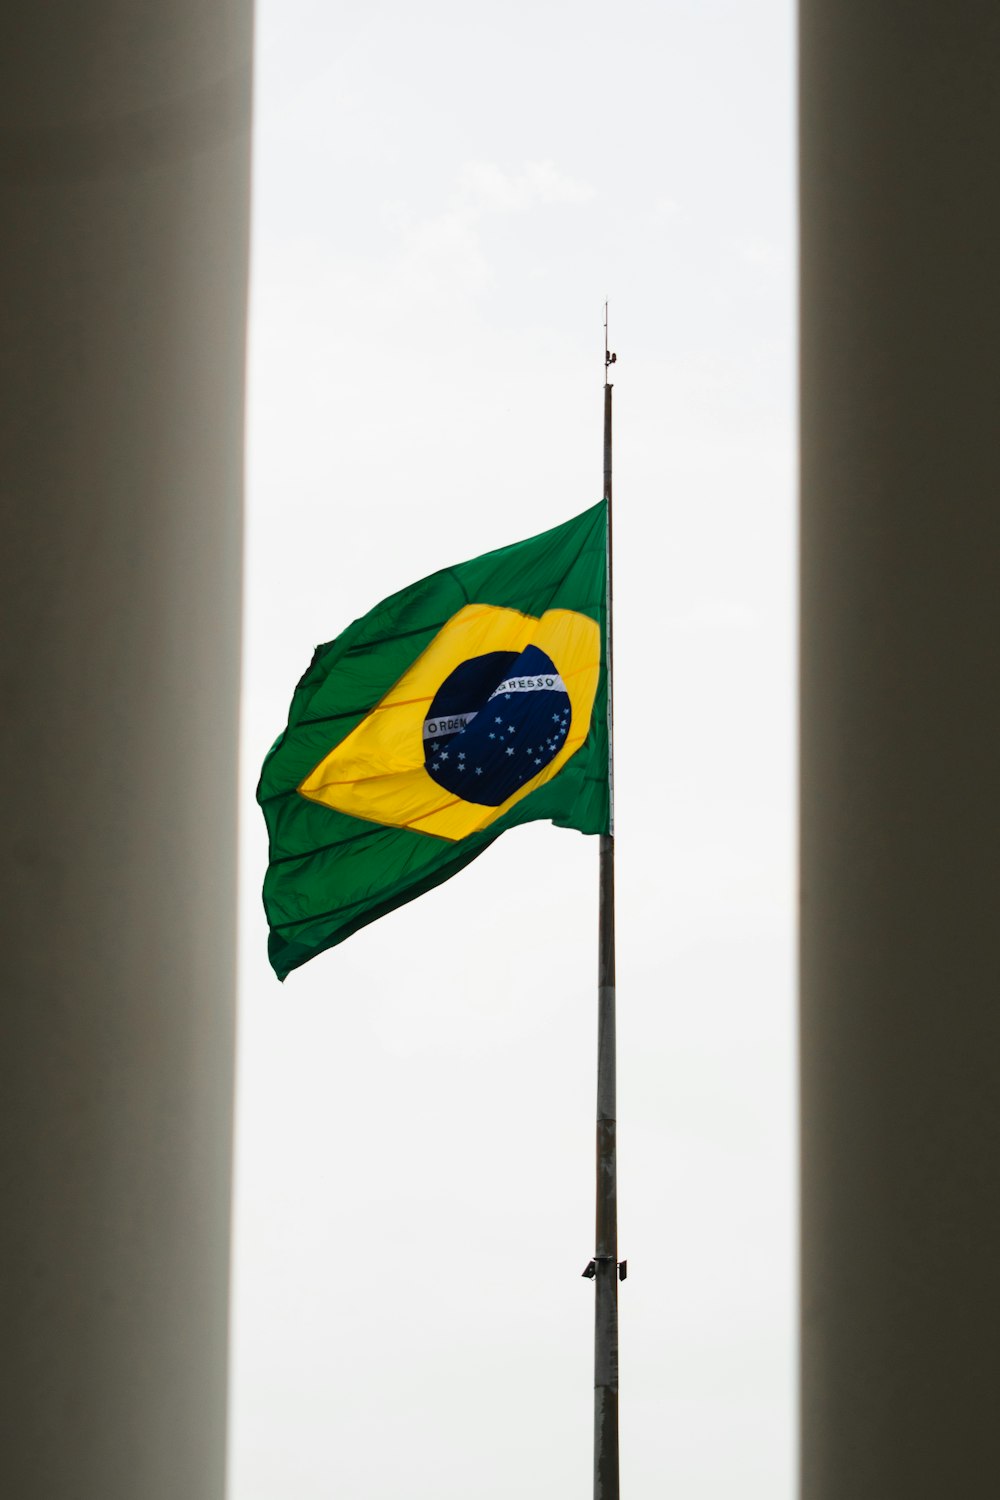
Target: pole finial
{"type": "Point", "coordinates": [609, 358]}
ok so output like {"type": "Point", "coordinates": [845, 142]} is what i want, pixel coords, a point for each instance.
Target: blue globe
{"type": "Point", "coordinates": [495, 722]}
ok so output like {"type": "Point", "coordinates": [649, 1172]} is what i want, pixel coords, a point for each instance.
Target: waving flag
{"type": "Point", "coordinates": [467, 703]}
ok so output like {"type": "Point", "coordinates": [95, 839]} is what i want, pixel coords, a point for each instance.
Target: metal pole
{"type": "Point", "coordinates": [606, 1254]}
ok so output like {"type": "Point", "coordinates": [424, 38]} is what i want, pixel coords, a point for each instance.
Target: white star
{"type": "Point", "coordinates": [511, 728]}
{"type": "Point", "coordinates": [498, 721]}
{"type": "Point", "coordinates": [461, 755]}
{"type": "Point", "coordinates": [444, 755]}
{"type": "Point", "coordinates": [479, 770]}
{"type": "Point", "coordinates": [510, 750]}
{"type": "Point", "coordinates": [435, 746]}
{"type": "Point", "coordinates": [506, 695]}
{"type": "Point", "coordinates": [435, 766]}
{"type": "Point", "coordinates": [492, 736]}
{"type": "Point", "coordinates": [537, 761]}
{"type": "Point", "coordinates": [555, 718]}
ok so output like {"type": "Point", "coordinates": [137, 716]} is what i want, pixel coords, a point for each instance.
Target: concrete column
{"type": "Point", "coordinates": [124, 135]}
{"type": "Point", "coordinates": [900, 948]}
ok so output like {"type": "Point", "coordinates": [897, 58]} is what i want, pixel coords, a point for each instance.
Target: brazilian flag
{"type": "Point", "coordinates": [467, 703]}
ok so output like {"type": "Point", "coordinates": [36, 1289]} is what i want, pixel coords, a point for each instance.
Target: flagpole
{"type": "Point", "coordinates": [605, 1266]}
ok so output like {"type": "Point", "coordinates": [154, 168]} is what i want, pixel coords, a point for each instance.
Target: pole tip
{"type": "Point", "coordinates": [609, 358]}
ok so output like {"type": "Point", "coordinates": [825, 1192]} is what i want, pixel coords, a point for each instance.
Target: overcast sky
{"type": "Point", "coordinates": [444, 195]}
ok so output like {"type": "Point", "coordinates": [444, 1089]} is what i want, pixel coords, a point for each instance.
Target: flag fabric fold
{"type": "Point", "coordinates": [468, 703]}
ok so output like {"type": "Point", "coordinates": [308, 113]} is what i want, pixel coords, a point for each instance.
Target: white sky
{"type": "Point", "coordinates": [444, 196]}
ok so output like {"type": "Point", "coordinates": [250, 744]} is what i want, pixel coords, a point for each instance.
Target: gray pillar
{"type": "Point", "coordinates": [123, 260]}
{"type": "Point", "coordinates": [900, 950]}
